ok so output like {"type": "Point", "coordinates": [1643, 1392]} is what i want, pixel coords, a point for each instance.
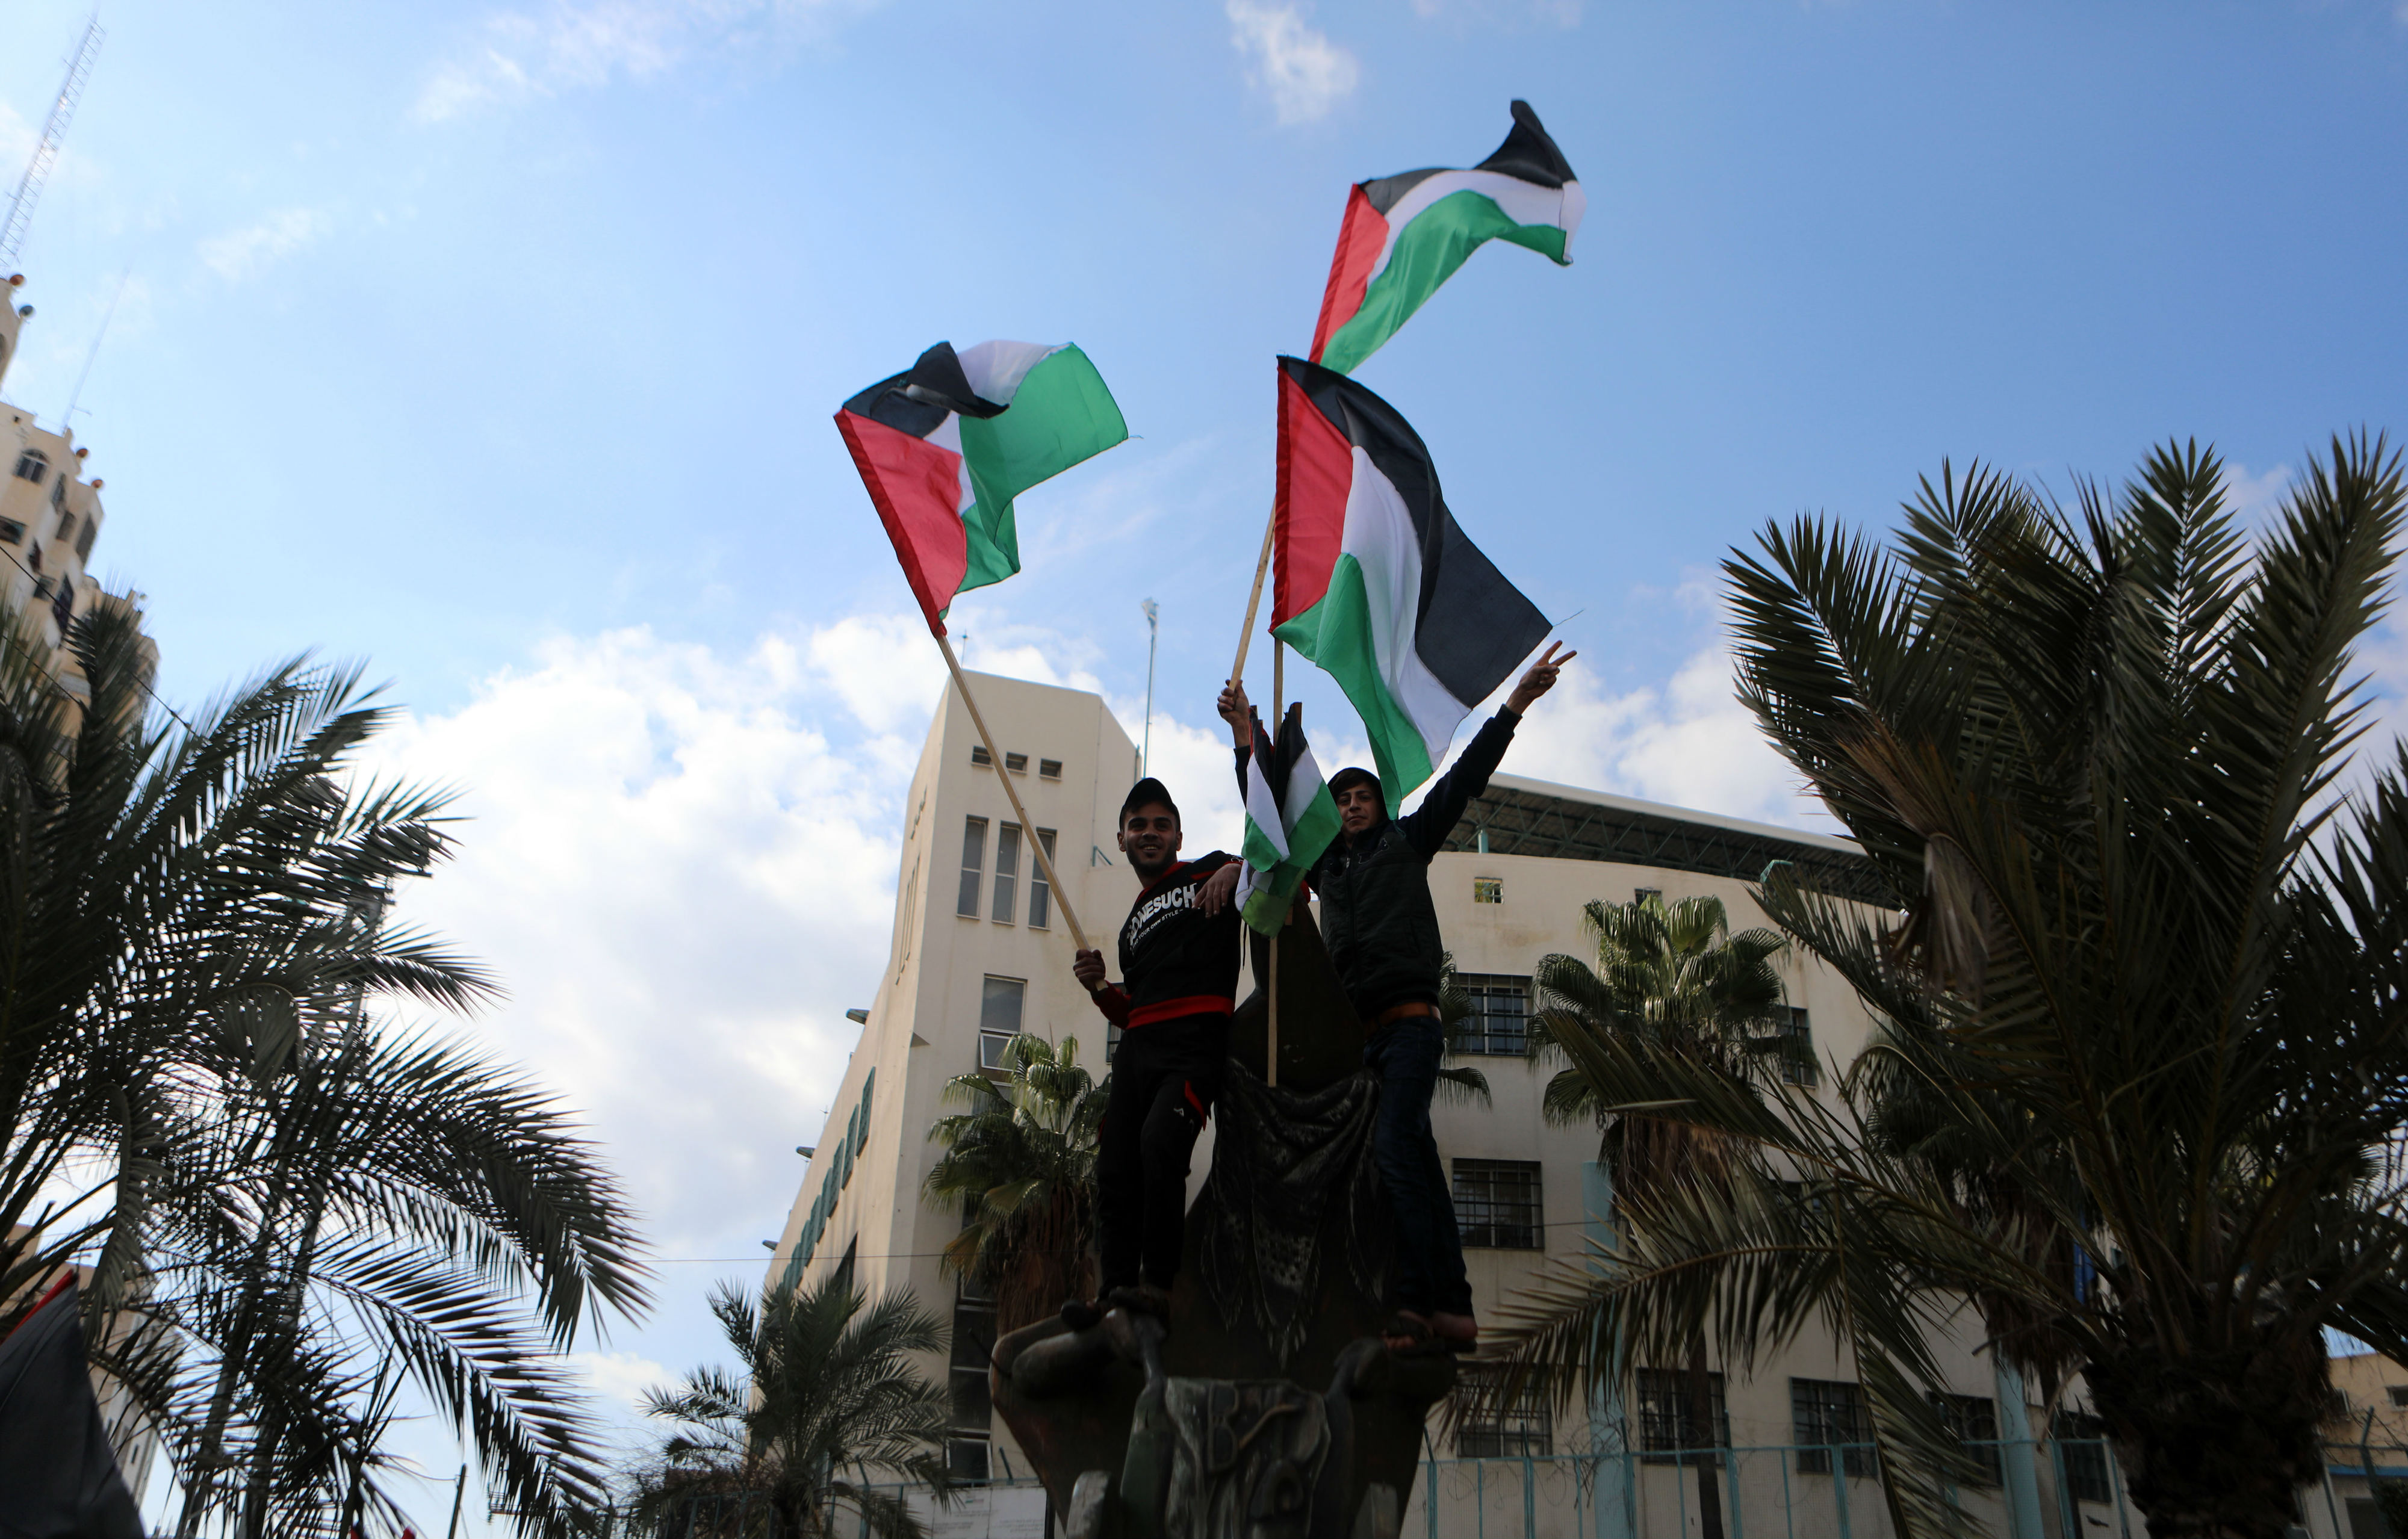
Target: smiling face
{"type": "Point", "coordinates": [1359, 808]}
{"type": "Point", "coordinates": [1149, 836]}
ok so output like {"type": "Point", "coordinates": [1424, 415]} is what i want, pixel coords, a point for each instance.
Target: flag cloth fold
{"type": "Point", "coordinates": [1376, 584]}
{"type": "Point", "coordinates": [1290, 820]}
{"type": "Point", "coordinates": [1405, 234]}
{"type": "Point", "coordinates": [945, 446]}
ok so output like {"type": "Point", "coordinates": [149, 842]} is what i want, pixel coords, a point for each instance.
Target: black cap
{"type": "Point", "coordinates": [1148, 792]}
{"type": "Point", "coordinates": [1351, 775]}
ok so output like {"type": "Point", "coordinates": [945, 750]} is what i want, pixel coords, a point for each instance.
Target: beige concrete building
{"type": "Point", "coordinates": [977, 953]}
{"type": "Point", "coordinates": [49, 519]}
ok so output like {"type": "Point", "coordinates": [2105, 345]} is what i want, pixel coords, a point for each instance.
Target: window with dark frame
{"type": "Point", "coordinates": [1498, 1025]}
{"type": "Point", "coordinates": [1017, 762]}
{"type": "Point", "coordinates": [66, 526]}
{"type": "Point", "coordinates": [980, 758]}
{"type": "Point", "coordinates": [83, 541]}
{"type": "Point", "coordinates": [1973, 1420]}
{"type": "Point", "coordinates": [33, 465]}
{"type": "Point", "coordinates": [12, 532]}
{"type": "Point", "coordinates": [1521, 1427]}
{"type": "Point", "coordinates": [1040, 893]}
{"type": "Point", "coordinates": [1641, 894]}
{"type": "Point", "coordinates": [2397, 1393]}
{"type": "Point", "coordinates": [1496, 1204]}
{"type": "Point", "coordinates": [1798, 1066]}
{"type": "Point", "coordinates": [1664, 1415]}
{"type": "Point", "coordinates": [1007, 871]}
{"type": "Point", "coordinates": [1000, 1003]}
{"type": "Point", "coordinates": [1049, 769]}
{"type": "Point", "coordinates": [59, 497]}
{"type": "Point", "coordinates": [1824, 1412]}
{"type": "Point", "coordinates": [2079, 1445]}
{"type": "Point", "coordinates": [1487, 890]}
{"type": "Point", "coordinates": [1112, 1042]}
{"type": "Point", "coordinates": [973, 866]}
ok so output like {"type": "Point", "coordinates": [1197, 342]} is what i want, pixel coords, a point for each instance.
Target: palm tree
{"type": "Point", "coordinates": [266, 1191]}
{"type": "Point", "coordinates": [2142, 1066]}
{"type": "Point", "coordinates": [826, 1400]}
{"type": "Point", "coordinates": [1021, 1164]}
{"type": "Point", "coordinates": [1676, 978]}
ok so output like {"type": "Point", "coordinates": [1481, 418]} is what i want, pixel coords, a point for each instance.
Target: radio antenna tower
{"type": "Point", "coordinates": [37, 170]}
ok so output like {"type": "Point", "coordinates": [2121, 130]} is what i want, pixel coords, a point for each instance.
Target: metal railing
{"type": "Point", "coordinates": [1765, 1492]}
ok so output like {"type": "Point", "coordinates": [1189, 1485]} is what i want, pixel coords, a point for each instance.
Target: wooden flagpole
{"type": "Point", "coordinates": [1061, 898]}
{"type": "Point", "coordinates": [1279, 710]}
{"type": "Point", "coordinates": [1254, 599]}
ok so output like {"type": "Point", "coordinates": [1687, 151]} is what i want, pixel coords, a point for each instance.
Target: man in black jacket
{"type": "Point", "coordinates": [1178, 979]}
{"type": "Point", "coordinates": [1381, 931]}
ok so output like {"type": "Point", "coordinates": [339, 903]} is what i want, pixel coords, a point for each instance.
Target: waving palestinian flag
{"type": "Point", "coordinates": [945, 446]}
{"type": "Point", "coordinates": [1405, 234]}
{"type": "Point", "coordinates": [1376, 584]}
{"type": "Point", "coordinates": [1290, 820]}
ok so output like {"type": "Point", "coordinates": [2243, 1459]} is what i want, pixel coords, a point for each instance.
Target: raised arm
{"type": "Point", "coordinates": [1240, 713]}
{"type": "Point", "coordinates": [1428, 826]}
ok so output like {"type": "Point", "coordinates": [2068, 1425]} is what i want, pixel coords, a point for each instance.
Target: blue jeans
{"type": "Point", "coordinates": [1403, 1056]}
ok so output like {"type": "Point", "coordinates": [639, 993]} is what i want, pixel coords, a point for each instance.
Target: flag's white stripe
{"type": "Point", "coordinates": [947, 435]}
{"type": "Point", "coordinates": [1380, 536]}
{"type": "Point", "coordinates": [1523, 203]}
{"type": "Point", "coordinates": [1303, 784]}
{"type": "Point", "coordinates": [1262, 810]}
{"type": "Point", "coordinates": [995, 369]}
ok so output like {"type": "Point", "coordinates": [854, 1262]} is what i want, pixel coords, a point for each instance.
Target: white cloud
{"type": "Point", "coordinates": [1302, 70]}
{"type": "Point", "coordinates": [620, 1377]}
{"type": "Point", "coordinates": [1689, 742]}
{"type": "Point", "coordinates": [244, 253]}
{"type": "Point", "coordinates": [569, 46]}
{"type": "Point", "coordinates": [2253, 498]}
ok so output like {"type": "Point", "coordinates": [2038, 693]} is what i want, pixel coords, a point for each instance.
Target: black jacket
{"type": "Point", "coordinates": [1175, 959]}
{"type": "Point", "coordinates": [1375, 900]}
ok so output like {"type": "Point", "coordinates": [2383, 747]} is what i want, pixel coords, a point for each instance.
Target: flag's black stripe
{"type": "Point", "coordinates": [1472, 625]}
{"type": "Point", "coordinates": [1385, 191]}
{"type": "Point", "coordinates": [917, 400]}
{"type": "Point", "coordinates": [1529, 154]}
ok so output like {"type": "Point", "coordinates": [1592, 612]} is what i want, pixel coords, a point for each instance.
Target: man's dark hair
{"type": "Point", "coordinates": [1355, 775]}
{"type": "Point", "coordinates": [1148, 792]}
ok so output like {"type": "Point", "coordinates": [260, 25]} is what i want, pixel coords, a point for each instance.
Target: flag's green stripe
{"type": "Point", "coordinates": [1427, 252]}
{"type": "Point", "coordinates": [1061, 414]}
{"type": "Point", "coordinates": [1335, 634]}
{"type": "Point", "coordinates": [1259, 851]}
{"type": "Point", "coordinates": [1313, 828]}
{"type": "Point", "coordinates": [1267, 906]}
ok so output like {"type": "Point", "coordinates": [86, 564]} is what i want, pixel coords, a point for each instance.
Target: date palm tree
{"type": "Point", "coordinates": [2137, 1094]}
{"type": "Point", "coordinates": [1676, 976]}
{"type": "Point", "coordinates": [269, 1194]}
{"type": "Point", "coordinates": [1021, 1165]}
{"type": "Point", "coordinates": [826, 1407]}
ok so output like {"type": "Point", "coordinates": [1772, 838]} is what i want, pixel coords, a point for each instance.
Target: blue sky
{"type": "Point", "coordinates": [496, 345]}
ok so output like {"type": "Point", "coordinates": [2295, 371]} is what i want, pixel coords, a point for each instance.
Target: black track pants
{"type": "Point", "coordinates": [1163, 1079]}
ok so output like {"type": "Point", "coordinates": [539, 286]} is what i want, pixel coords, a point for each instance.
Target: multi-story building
{"type": "Point", "coordinates": [978, 951]}
{"type": "Point", "coordinates": [50, 518]}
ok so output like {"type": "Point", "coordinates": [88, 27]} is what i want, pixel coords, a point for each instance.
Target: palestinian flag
{"type": "Point", "coordinates": [1290, 820]}
{"type": "Point", "coordinates": [1376, 584]}
{"type": "Point", "coordinates": [945, 446]}
{"type": "Point", "coordinates": [1405, 234]}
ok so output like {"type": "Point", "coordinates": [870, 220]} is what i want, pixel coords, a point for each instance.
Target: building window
{"type": "Point", "coordinates": [83, 541]}
{"type": "Point", "coordinates": [1500, 1022]}
{"type": "Point", "coordinates": [1049, 769]}
{"type": "Point", "coordinates": [1974, 1421]}
{"type": "Point", "coordinates": [2080, 1444]}
{"type": "Point", "coordinates": [12, 532]}
{"type": "Point", "coordinates": [966, 1460]}
{"type": "Point", "coordinates": [1007, 871]}
{"type": "Point", "coordinates": [59, 500]}
{"type": "Point", "coordinates": [1665, 1425]}
{"type": "Point", "coordinates": [1040, 894]}
{"type": "Point", "coordinates": [2397, 1394]}
{"type": "Point", "coordinates": [1112, 1042]}
{"type": "Point", "coordinates": [63, 607]}
{"type": "Point", "coordinates": [32, 466]}
{"type": "Point", "coordinates": [1641, 894]}
{"type": "Point", "coordinates": [1487, 890]}
{"type": "Point", "coordinates": [1797, 1063]}
{"type": "Point", "coordinates": [1017, 762]}
{"type": "Point", "coordinates": [1823, 1415]}
{"type": "Point", "coordinates": [1496, 1203]}
{"type": "Point", "coordinates": [67, 525]}
{"type": "Point", "coordinates": [1490, 1428]}
{"type": "Point", "coordinates": [973, 866]}
{"type": "Point", "coordinates": [999, 1005]}
{"type": "Point", "coordinates": [980, 758]}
